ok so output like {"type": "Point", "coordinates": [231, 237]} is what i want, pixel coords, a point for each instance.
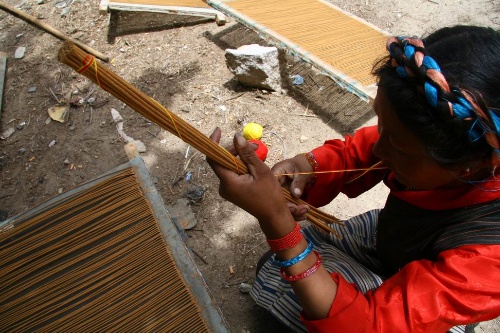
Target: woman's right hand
{"type": "Point", "coordinates": [294, 174]}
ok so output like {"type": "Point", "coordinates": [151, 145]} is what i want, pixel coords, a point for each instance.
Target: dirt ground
{"type": "Point", "coordinates": [180, 62]}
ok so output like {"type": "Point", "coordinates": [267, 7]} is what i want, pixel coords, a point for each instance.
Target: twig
{"type": "Point", "coordinates": [189, 161]}
{"type": "Point", "coordinates": [236, 282]}
{"type": "Point", "coordinates": [252, 248]}
{"type": "Point", "coordinates": [53, 94]}
{"type": "Point", "coordinates": [7, 195]}
{"type": "Point", "coordinates": [304, 115]}
{"type": "Point", "coordinates": [171, 191]}
{"type": "Point", "coordinates": [234, 97]}
{"type": "Point", "coordinates": [199, 256]}
{"type": "Point", "coordinates": [153, 134]}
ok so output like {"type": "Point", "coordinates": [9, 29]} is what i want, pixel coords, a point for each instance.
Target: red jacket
{"type": "Point", "coordinates": [461, 286]}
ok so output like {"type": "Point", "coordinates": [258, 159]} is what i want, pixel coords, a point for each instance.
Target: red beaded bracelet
{"type": "Point", "coordinates": [314, 164]}
{"type": "Point", "coordinates": [303, 275]}
{"type": "Point", "coordinates": [286, 242]}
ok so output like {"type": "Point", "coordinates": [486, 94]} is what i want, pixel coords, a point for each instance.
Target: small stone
{"type": "Point", "coordinates": [52, 143]}
{"type": "Point", "coordinates": [66, 161]}
{"type": "Point", "coordinates": [21, 151]}
{"type": "Point", "coordinates": [245, 288]}
{"type": "Point", "coordinates": [60, 190]}
{"type": "Point", "coordinates": [32, 89]}
{"type": "Point", "coordinates": [65, 11]}
{"type": "Point", "coordinates": [303, 138]}
{"type": "Point", "coordinates": [19, 54]}
{"type": "Point", "coordinates": [195, 193]}
{"type": "Point", "coordinates": [21, 125]}
{"type": "Point", "coordinates": [7, 133]}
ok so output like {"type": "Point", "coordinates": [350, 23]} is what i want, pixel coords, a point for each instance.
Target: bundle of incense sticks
{"type": "Point", "coordinates": [109, 81]}
{"type": "Point", "coordinates": [95, 261]}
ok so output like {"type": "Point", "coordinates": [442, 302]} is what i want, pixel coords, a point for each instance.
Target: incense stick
{"type": "Point", "coordinates": [109, 81]}
{"type": "Point", "coordinates": [328, 171]}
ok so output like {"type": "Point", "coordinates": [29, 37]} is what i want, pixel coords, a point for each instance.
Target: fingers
{"type": "Point", "coordinates": [298, 211]}
{"type": "Point", "coordinates": [246, 152]}
{"type": "Point", "coordinates": [219, 170]}
{"type": "Point", "coordinates": [241, 147]}
{"type": "Point", "coordinates": [216, 134]}
{"type": "Point", "coordinates": [289, 175]}
{"type": "Point", "coordinates": [281, 168]}
{"type": "Point", "coordinates": [298, 185]}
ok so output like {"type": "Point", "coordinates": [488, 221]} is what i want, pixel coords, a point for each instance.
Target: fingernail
{"type": "Point", "coordinates": [297, 192]}
{"type": "Point", "coordinates": [240, 139]}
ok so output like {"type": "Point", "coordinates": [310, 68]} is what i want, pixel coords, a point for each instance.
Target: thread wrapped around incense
{"type": "Point", "coordinates": [109, 81]}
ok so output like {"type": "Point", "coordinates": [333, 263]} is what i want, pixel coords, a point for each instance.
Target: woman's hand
{"type": "Point", "coordinates": [294, 174]}
{"type": "Point", "coordinates": [258, 192]}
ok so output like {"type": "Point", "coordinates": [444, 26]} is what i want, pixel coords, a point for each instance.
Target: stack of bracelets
{"type": "Point", "coordinates": [287, 242]}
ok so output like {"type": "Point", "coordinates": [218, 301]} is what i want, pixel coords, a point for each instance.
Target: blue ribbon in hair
{"type": "Point", "coordinates": [461, 109]}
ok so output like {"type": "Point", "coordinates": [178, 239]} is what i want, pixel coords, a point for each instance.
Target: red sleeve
{"type": "Point", "coordinates": [354, 152]}
{"type": "Point", "coordinates": [461, 287]}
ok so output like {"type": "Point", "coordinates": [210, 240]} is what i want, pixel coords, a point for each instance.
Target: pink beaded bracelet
{"type": "Point", "coordinates": [288, 241]}
{"type": "Point", "coordinates": [303, 275]}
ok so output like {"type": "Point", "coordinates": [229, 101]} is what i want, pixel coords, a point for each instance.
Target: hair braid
{"type": "Point", "coordinates": [408, 56]}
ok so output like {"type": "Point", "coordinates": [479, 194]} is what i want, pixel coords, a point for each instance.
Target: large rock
{"type": "Point", "coordinates": [255, 66]}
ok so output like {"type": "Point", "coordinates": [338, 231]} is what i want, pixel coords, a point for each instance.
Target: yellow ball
{"type": "Point", "coordinates": [252, 131]}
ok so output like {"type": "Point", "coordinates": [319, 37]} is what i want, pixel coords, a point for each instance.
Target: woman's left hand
{"type": "Point", "coordinates": [258, 192]}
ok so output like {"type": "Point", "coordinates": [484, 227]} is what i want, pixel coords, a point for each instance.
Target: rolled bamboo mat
{"type": "Point", "coordinates": [109, 81]}
{"type": "Point", "coordinates": [94, 261]}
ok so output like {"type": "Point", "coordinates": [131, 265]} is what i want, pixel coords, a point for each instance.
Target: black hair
{"type": "Point", "coordinates": [469, 58]}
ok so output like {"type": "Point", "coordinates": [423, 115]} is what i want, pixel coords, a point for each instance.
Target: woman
{"type": "Point", "coordinates": [429, 261]}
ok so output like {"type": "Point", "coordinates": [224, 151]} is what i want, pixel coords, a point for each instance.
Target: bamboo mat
{"type": "Point", "coordinates": [341, 44]}
{"type": "Point", "coordinates": [95, 260]}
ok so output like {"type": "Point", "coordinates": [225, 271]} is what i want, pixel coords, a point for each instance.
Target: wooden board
{"type": "Point", "coordinates": [178, 7]}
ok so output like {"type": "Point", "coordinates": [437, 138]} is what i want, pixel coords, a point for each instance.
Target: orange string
{"type": "Point", "coordinates": [88, 61]}
{"type": "Point", "coordinates": [171, 118]}
{"type": "Point", "coordinates": [373, 167]}
{"type": "Point", "coordinates": [236, 163]}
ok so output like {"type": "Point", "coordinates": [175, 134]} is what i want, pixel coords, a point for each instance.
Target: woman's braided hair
{"type": "Point", "coordinates": [447, 89]}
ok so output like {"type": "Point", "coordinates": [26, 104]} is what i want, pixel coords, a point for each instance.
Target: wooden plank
{"type": "Point", "coordinates": [176, 7]}
{"type": "Point", "coordinates": [3, 73]}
